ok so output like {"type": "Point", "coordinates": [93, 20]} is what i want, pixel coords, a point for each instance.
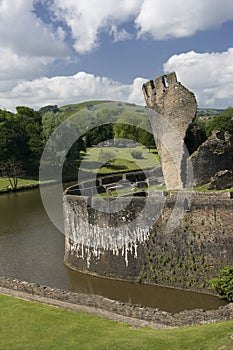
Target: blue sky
{"type": "Point", "coordinates": [68, 51]}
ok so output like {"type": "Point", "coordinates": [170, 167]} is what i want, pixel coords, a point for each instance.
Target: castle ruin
{"type": "Point", "coordinates": [171, 100]}
{"type": "Point", "coordinates": [188, 158]}
{"type": "Point", "coordinates": [123, 244]}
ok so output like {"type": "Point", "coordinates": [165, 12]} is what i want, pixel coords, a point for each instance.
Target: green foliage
{"type": "Point", "coordinates": [21, 137]}
{"type": "Point", "coordinates": [24, 134]}
{"type": "Point", "coordinates": [223, 122]}
{"type": "Point", "coordinates": [224, 283]}
{"type": "Point", "coordinates": [49, 108]}
{"type": "Point", "coordinates": [99, 134]}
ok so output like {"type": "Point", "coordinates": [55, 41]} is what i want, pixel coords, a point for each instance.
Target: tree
{"type": "Point", "coordinates": [224, 283]}
{"type": "Point", "coordinates": [49, 108]}
{"type": "Point", "coordinates": [146, 138]}
{"type": "Point", "coordinates": [223, 122]}
{"type": "Point", "coordinates": [12, 169]}
{"type": "Point", "coordinates": [99, 134]}
{"type": "Point", "coordinates": [31, 130]}
{"type": "Point", "coordinates": [12, 139]}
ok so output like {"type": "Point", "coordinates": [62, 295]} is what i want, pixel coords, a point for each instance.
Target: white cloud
{"type": "Point", "coordinates": [136, 95]}
{"type": "Point", "coordinates": [160, 19]}
{"type": "Point", "coordinates": [27, 45]}
{"type": "Point", "coordinates": [14, 66]}
{"type": "Point", "coordinates": [208, 75]}
{"type": "Point", "coordinates": [87, 18]}
{"type": "Point", "coordinates": [119, 35]}
{"type": "Point", "coordinates": [164, 19]}
{"type": "Point", "coordinates": [62, 90]}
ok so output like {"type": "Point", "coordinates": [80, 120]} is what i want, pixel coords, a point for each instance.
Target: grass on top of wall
{"type": "Point", "coordinates": [30, 325]}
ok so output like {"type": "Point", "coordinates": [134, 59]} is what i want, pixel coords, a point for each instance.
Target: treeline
{"type": "Point", "coordinates": [24, 134]}
{"type": "Point", "coordinates": [222, 122]}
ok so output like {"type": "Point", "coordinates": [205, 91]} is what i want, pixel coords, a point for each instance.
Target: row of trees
{"type": "Point", "coordinates": [23, 134]}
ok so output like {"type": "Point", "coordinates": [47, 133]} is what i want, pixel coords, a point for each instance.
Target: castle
{"type": "Point", "coordinates": [181, 238]}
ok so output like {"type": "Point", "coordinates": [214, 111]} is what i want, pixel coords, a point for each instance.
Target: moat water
{"type": "Point", "coordinates": [32, 249]}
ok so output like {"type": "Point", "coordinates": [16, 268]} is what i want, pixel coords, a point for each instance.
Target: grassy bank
{"type": "Point", "coordinates": [29, 325]}
{"type": "Point", "coordinates": [4, 183]}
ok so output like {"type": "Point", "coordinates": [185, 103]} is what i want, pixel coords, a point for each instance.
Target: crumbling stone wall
{"type": "Point", "coordinates": [174, 106]}
{"type": "Point", "coordinates": [170, 99]}
{"type": "Point", "coordinates": [214, 155]}
{"type": "Point", "coordinates": [187, 257]}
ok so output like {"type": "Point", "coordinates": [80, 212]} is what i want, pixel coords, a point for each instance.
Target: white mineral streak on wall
{"type": "Point", "coordinates": [90, 236]}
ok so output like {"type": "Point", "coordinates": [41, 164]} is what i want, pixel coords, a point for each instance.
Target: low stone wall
{"type": "Point", "coordinates": [184, 318]}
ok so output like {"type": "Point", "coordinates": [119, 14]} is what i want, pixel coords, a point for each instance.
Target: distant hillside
{"type": "Point", "coordinates": [208, 111]}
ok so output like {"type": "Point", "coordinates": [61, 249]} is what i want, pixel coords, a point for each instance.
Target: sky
{"type": "Point", "coordinates": [69, 51]}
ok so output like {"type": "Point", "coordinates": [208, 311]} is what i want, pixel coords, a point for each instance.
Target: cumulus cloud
{"type": "Point", "coordinates": [27, 44]}
{"type": "Point", "coordinates": [62, 90]}
{"type": "Point", "coordinates": [160, 19]}
{"type": "Point", "coordinates": [87, 19]}
{"type": "Point", "coordinates": [208, 75]}
{"type": "Point", "coordinates": [164, 19]}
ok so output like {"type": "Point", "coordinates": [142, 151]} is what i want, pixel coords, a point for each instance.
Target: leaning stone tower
{"type": "Point", "coordinates": [173, 109]}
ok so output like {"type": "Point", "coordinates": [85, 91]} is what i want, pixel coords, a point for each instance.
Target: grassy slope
{"type": "Point", "coordinates": [74, 108]}
{"type": "Point", "coordinates": [28, 325]}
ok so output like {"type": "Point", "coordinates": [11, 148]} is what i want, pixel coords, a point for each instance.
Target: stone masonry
{"type": "Point", "coordinates": [174, 109]}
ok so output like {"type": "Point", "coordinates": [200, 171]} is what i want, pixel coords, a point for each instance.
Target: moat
{"type": "Point", "coordinates": [32, 249]}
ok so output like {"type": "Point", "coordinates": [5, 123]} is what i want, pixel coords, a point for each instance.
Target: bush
{"type": "Point", "coordinates": [136, 154]}
{"type": "Point", "coordinates": [223, 284]}
{"type": "Point", "coordinates": [106, 157]}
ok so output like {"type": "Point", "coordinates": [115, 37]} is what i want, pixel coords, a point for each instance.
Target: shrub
{"type": "Point", "coordinates": [136, 154]}
{"type": "Point", "coordinates": [106, 157]}
{"type": "Point", "coordinates": [223, 284]}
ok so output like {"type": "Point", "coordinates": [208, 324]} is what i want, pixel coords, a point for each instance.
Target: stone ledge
{"type": "Point", "coordinates": [159, 318]}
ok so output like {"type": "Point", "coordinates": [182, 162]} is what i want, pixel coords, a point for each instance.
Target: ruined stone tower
{"type": "Point", "coordinates": [173, 111]}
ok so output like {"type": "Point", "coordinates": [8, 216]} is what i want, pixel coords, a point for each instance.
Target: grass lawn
{"type": "Point", "coordinates": [123, 160]}
{"type": "Point", "coordinates": [29, 325]}
{"type": "Point", "coordinates": [90, 164]}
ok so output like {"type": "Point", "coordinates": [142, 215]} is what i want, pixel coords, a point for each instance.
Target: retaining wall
{"type": "Point", "coordinates": [123, 245]}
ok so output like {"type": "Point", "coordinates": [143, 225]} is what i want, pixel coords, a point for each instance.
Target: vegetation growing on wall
{"type": "Point", "coordinates": [223, 284]}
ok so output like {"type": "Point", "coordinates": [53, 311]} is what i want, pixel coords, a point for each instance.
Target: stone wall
{"type": "Point", "coordinates": [174, 109]}
{"type": "Point", "coordinates": [214, 155]}
{"type": "Point", "coordinates": [195, 251]}
{"type": "Point", "coordinates": [188, 256]}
